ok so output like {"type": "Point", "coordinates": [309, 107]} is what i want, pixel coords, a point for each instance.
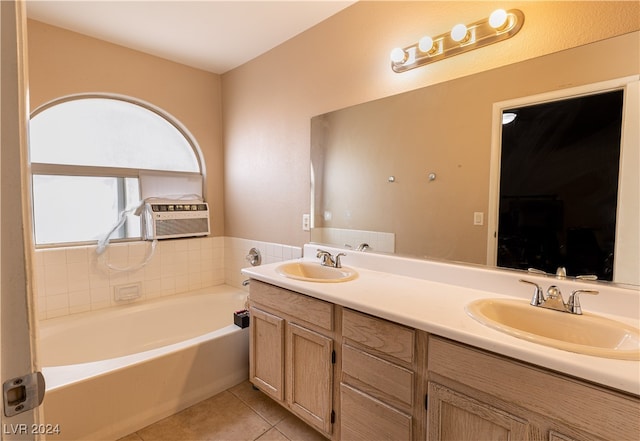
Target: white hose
{"type": "Point", "coordinates": [101, 259]}
{"type": "Point", "coordinates": [104, 242]}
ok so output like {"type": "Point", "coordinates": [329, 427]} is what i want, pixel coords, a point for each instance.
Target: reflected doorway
{"type": "Point", "coordinates": [559, 185]}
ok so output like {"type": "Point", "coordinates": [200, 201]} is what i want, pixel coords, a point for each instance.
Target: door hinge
{"type": "Point", "coordinates": [426, 402]}
{"type": "Point", "coordinates": [23, 393]}
{"type": "Point", "coordinates": [333, 416]}
{"type": "Point", "coordinates": [333, 357]}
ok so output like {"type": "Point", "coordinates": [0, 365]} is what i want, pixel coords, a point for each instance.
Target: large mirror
{"type": "Point", "coordinates": [412, 174]}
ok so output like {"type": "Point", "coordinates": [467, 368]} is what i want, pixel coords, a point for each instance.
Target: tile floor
{"type": "Point", "coordinates": [240, 413]}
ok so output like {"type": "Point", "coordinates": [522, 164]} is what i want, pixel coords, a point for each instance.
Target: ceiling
{"type": "Point", "coordinates": [212, 35]}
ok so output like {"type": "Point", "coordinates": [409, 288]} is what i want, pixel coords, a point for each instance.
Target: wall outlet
{"type": "Point", "coordinates": [478, 218]}
{"type": "Point", "coordinates": [306, 222]}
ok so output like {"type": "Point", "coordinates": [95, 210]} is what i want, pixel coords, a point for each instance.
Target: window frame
{"type": "Point", "coordinates": [37, 168]}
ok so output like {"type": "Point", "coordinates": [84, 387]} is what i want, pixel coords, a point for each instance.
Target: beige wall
{"type": "Point", "coordinates": [268, 102]}
{"type": "Point", "coordinates": [63, 63]}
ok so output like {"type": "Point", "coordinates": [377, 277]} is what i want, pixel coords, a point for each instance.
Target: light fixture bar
{"type": "Point", "coordinates": [501, 26]}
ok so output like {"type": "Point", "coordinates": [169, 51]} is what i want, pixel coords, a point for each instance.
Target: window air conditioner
{"type": "Point", "coordinates": [169, 219]}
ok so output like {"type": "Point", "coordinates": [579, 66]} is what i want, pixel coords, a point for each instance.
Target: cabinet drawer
{"type": "Point", "coordinates": [378, 334]}
{"type": "Point", "coordinates": [378, 374]}
{"type": "Point", "coordinates": [364, 418]}
{"type": "Point", "coordinates": [304, 308]}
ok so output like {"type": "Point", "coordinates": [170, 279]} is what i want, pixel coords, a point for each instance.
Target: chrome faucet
{"type": "Point", "coordinates": [363, 247]}
{"type": "Point", "coordinates": [326, 259]}
{"type": "Point", "coordinates": [561, 273]}
{"type": "Point", "coordinates": [554, 298]}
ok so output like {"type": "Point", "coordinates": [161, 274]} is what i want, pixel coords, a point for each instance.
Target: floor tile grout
{"type": "Point", "coordinates": [256, 402]}
{"type": "Point", "coordinates": [272, 425]}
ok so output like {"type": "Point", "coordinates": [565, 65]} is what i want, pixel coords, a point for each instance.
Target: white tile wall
{"type": "Point", "coordinates": [377, 240]}
{"type": "Point", "coordinates": [74, 280]}
{"type": "Point", "coordinates": [237, 249]}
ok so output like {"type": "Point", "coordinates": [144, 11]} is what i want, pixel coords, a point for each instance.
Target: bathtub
{"type": "Point", "coordinates": [112, 372]}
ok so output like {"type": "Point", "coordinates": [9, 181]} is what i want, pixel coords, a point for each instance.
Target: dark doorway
{"type": "Point", "coordinates": [559, 185]}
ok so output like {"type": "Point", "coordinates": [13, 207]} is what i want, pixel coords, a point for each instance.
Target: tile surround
{"type": "Point", "coordinates": [73, 280]}
{"type": "Point", "coordinates": [236, 251]}
{"type": "Point", "coordinates": [378, 241]}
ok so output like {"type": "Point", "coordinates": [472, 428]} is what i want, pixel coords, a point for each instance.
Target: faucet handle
{"type": "Point", "coordinates": [538, 296]}
{"type": "Point", "coordinates": [587, 277]}
{"type": "Point", "coordinates": [573, 305]}
{"type": "Point", "coordinates": [337, 263]}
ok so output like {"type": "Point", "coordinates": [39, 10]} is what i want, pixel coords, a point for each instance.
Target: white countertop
{"type": "Point", "coordinates": [438, 308]}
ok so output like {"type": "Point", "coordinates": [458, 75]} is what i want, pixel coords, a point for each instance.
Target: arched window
{"type": "Point", "coordinates": [93, 156]}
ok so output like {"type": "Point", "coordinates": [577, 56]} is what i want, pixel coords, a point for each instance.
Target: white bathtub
{"type": "Point", "coordinates": [112, 372]}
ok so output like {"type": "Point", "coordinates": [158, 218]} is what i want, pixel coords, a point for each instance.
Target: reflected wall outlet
{"type": "Point", "coordinates": [478, 218]}
{"type": "Point", "coordinates": [306, 222]}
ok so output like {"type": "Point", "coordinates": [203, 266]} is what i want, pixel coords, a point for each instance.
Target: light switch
{"type": "Point", "coordinates": [478, 218]}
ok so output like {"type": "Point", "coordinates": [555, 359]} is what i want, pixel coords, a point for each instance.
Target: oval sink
{"type": "Point", "coordinates": [584, 334]}
{"type": "Point", "coordinates": [314, 272]}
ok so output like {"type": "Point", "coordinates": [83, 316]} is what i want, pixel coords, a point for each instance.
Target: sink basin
{"type": "Point", "coordinates": [314, 272]}
{"type": "Point", "coordinates": [584, 334]}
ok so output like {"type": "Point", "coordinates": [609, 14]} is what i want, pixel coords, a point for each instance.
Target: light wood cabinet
{"type": "Point", "coordinates": [266, 353]}
{"type": "Point", "coordinates": [365, 418]}
{"type": "Point", "coordinates": [292, 352]}
{"type": "Point", "coordinates": [353, 376]}
{"type": "Point", "coordinates": [310, 376]}
{"type": "Point", "coordinates": [380, 382]}
{"type": "Point", "coordinates": [501, 398]}
{"type": "Point", "coordinates": [455, 416]}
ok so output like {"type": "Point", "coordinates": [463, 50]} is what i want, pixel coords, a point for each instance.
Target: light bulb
{"type": "Point", "coordinates": [458, 32]}
{"type": "Point", "coordinates": [398, 55]}
{"type": "Point", "coordinates": [425, 44]}
{"type": "Point", "coordinates": [498, 18]}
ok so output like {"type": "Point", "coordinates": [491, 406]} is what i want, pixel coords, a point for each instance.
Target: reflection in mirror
{"type": "Point", "coordinates": [559, 185]}
{"type": "Point", "coordinates": [412, 173]}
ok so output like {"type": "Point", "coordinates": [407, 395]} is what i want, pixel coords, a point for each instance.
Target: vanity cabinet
{"type": "Point", "coordinates": [380, 381]}
{"type": "Point", "coordinates": [292, 352]}
{"type": "Point", "coordinates": [473, 394]}
{"type": "Point", "coordinates": [354, 376]}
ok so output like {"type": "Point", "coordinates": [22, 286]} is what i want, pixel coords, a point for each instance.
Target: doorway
{"type": "Point", "coordinates": [559, 185]}
{"type": "Point", "coordinates": [563, 182]}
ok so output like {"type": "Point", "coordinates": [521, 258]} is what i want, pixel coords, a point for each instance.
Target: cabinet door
{"type": "Point", "coordinates": [266, 353]}
{"type": "Point", "coordinates": [453, 416]}
{"type": "Point", "coordinates": [310, 376]}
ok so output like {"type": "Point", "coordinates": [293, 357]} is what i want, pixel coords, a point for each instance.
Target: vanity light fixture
{"type": "Point", "coordinates": [499, 26]}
